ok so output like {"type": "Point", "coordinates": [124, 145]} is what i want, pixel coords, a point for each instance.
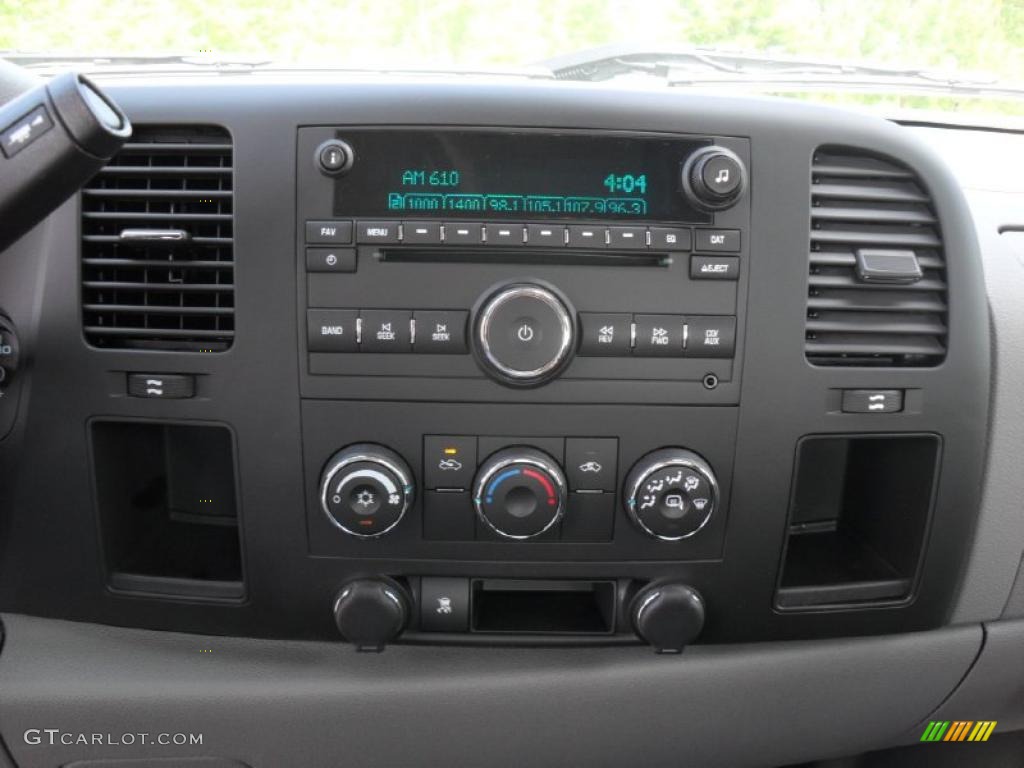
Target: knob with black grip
{"type": "Point", "coordinates": [523, 334]}
{"type": "Point", "coordinates": [366, 489]}
{"type": "Point", "coordinates": [671, 494]}
{"type": "Point", "coordinates": [370, 613]}
{"type": "Point", "coordinates": [713, 178]}
{"type": "Point", "coordinates": [668, 616]}
{"type": "Point", "coordinates": [519, 493]}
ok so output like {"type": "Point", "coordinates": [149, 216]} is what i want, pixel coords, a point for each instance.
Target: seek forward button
{"type": "Point", "coordinates": [440, 332]}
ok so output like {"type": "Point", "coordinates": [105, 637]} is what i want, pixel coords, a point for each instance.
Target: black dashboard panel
{"type": "Point", "coordinates": [285, 399]}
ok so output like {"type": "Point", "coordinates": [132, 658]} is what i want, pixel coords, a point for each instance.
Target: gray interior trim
{"type": "Point", "coordinates": [286, 703]}
{"type": "Point", "coordinates": [994, 688]}
{"type": "Point", "coordinates": [999, 536]}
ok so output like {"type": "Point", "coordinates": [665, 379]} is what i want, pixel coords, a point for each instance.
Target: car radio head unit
{"type": "Point", "coordinates": [498, 175]}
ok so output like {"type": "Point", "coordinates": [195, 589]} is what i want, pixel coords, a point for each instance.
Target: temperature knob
{"type": "Point", "coordinates": [671, 494]}
{"type": "Point", "coordinates": [366, 489]}
{"type": "Point", "coordinates": [519, 492]}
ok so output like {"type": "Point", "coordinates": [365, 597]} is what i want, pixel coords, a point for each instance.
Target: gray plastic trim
{"type": "Point", "coordinates": [284, 703]}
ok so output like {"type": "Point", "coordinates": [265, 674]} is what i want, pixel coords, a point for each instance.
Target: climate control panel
{"type": "Point", "coordinates": [507, 489]}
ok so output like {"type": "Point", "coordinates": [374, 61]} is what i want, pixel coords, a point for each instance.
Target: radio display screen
{"type": "Point", "coordinates": [481, 174]}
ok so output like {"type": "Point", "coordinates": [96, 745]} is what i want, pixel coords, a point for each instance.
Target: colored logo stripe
{"type": "Point", "coordinates": [958, 730]}
{"type": "Point", "coordinates": [935, 730]}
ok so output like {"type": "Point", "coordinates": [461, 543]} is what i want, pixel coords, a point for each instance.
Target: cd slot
{"type": "Point", "coordinates": [524, 256]}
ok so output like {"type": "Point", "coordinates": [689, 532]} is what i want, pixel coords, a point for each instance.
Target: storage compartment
{"type": "Point", "coordinates": [858, 519]}
{"type": "Point", "coordinates": [543, 607]}
{"type": "Point", "coordinates": [168, 508]}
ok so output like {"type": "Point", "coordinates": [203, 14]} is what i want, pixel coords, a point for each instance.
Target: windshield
{"type": "Point", "coordinates": [971, 45]}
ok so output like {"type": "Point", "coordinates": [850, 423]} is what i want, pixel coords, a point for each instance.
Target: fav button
{"type": "Point", "coordinates": [385, 330]}
{"type": "Point", "coordinates": [329, 232]}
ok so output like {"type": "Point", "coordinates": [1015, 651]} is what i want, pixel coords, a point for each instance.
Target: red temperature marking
{"type": "Point", "coordinates": [550, 489]}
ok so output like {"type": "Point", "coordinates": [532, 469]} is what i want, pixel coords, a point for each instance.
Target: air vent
{"type": "Point", "coordinates": [877, 287]}
{"type": "Point", "coordinates": [157, 243]}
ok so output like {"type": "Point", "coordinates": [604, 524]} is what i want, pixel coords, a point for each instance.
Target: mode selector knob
{"type": "Point", "coordinates": [713, 178]}
{"type": "Point", "coordinates": [366, 489]}
{"type": "Point", "coordinates": [523, 334]}
{"type": "Point", "coordinates": [671, 493]}
{"type": "Point", "coordinates": [519, 492]}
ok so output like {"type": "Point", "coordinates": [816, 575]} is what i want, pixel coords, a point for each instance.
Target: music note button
{"type": "Point", "coordinates": [721, 174]}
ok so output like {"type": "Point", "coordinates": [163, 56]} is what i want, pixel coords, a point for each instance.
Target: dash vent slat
{"type": "Point", "coordinates": [863, 200]}
{"type": "Point", "coordinates": [161, 294]}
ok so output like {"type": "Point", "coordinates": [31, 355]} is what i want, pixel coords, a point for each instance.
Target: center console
{"type": "Point", "coordinates": [504, 275]}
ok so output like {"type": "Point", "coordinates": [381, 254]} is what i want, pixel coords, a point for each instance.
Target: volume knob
{"type": "Point", "coordinates": [523, 334]}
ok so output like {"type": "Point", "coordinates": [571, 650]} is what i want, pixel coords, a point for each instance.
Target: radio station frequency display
{"type": "Point", "coordinates": [513, 174]}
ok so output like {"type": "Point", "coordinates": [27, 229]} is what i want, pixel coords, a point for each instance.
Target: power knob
{"type": "Point", "coordinates": [713, 178]}
{"type": "Point", "coordinates": [523, 334]}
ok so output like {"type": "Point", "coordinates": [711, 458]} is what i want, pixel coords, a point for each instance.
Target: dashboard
{"type": "Point", "coordinates": [501, 376]}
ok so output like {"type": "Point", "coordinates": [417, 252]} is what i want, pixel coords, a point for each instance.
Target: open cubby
{"type": "Point", "coordinates": [858, 519]}
{"type": "Point", "coordinates": [168, 508]}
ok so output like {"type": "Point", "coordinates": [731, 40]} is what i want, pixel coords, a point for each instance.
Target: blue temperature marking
{"type": "Point", "coordinates": [498, 480]}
